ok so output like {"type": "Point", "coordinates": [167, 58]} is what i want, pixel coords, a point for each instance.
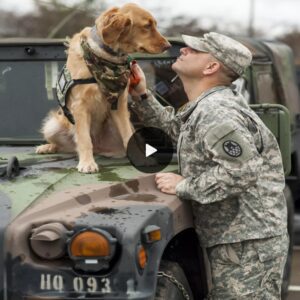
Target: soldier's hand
{"type": "Point", "coordinates": [166, 182]}
{"type": "Point", "coordinates": [137, 84]}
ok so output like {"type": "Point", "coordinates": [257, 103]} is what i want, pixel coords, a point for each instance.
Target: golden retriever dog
{"type": "Point", "coordinates": [101, 126]}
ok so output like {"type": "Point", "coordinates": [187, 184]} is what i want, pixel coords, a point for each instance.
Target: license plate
{"type": "Point", "coordinates": [90, 284]}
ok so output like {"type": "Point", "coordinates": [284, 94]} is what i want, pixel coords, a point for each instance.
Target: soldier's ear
{"type": "Point", "coordinates": [114, 24]}
{"type": "Point", "coordinates": [211, 68]}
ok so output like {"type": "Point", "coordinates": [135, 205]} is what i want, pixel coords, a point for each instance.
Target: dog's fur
{"type": "Point", "coordinates": [98, 129]}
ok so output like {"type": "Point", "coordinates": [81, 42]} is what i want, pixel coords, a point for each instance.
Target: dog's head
{"type": "Point", "coordinates": [130, 29]}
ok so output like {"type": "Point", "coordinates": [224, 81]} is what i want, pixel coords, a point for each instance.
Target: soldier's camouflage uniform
{"type": "Point", "coordinates": [234, 176]}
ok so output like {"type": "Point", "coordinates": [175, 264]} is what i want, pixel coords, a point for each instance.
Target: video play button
{"type": "Point", "coordinates": [150, 150]}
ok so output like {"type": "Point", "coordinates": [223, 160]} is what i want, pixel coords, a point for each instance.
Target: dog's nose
{"type": "Point", "coordinates": [167, 46]}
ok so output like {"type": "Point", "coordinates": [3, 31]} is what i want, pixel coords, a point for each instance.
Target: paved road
{"type": "Point", "coordinates": [294, 289]}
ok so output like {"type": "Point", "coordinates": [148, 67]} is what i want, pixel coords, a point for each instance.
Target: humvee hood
{"type": "Point", "coordinates": [43, 175]}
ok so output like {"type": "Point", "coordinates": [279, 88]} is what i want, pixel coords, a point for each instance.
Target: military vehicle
{"type": "Point", "coordinates": [112, 235]}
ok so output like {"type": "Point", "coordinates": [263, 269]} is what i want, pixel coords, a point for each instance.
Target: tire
{"type": "Point", "coordinates": [288, 265]}
{"type": "Point", "coordinates": [167, 290]}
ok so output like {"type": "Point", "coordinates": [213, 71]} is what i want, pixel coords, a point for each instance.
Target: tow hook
{"type": "Point", "coordinates": [12, 169]}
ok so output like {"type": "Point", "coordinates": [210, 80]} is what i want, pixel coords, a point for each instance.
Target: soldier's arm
{"type": "Point", "coordinates": [152, 113]}
{"type": "Point", "coordinates": [236, 165]}
{"type": "Point", "coordinates": [149, 110]}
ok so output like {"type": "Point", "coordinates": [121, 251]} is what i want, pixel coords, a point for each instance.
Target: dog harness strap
{"type": "Point", "coordinates": [63, 86]}
{"type": "Point", "coordinates": [112, 77]}
{"type": "Point", "coordinates": [84, 81]}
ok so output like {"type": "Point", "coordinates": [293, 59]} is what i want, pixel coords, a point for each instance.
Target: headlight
{"type": "Point", "coordinates": [92, 249]}
{"type": "Point", "coordinates": [49, 240]}
{"type": "Point", "coordinates": [90, 244]}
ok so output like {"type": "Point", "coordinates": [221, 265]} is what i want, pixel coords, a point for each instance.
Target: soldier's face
{"type": "Point", "coordinates": [191, 63]}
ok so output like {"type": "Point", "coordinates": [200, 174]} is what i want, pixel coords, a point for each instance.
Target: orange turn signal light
{"type": "Point", "coordinates": [142, 256]}
{"type": "Point", "coordinates": [90, 244]}
{"type": "Point", "coordinates": [154, 236]}
{"type": "Point", "coordinates": [151, 234]}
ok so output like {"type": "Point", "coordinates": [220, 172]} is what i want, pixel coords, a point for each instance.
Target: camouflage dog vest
{"type": "Point", "coordinates": [112, 79]}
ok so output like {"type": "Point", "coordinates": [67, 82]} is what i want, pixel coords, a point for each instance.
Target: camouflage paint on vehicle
{"type": "Point", "coordinates": [123, 209]}
{"type": "Point", "coordinates": [46, 174]}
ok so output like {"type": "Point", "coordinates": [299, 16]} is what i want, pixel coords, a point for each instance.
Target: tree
{"type": "Point", "coordinates": [53, 18]}
{"type": "Point", "coordinates": [181, 25]}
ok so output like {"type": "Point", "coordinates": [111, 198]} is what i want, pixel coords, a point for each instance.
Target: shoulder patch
{"type": "Point", "coordinates": [232, 148]}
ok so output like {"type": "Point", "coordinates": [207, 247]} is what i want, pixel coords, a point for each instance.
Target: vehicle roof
{"type": "Point", "coordinates": [15, 41]}
{"type": "Point", "coordinates": [255, 46]}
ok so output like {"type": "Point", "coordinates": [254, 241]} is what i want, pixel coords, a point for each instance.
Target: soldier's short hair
{"type": "Point", "coordinates": [228, 73]}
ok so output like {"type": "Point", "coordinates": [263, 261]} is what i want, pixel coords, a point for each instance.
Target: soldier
{"type": "Point", "coordinates": [230, 168]}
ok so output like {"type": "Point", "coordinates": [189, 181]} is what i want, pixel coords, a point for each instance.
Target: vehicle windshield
{"type": "Point", "coordinates": [26, 94]}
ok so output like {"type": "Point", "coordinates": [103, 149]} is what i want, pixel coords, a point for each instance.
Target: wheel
{"type": "Point", "coordinates": [166, 289]}
{"type": "Point", "coordinates": [288, 265]}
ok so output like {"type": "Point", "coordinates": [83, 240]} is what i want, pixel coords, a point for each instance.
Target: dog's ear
{"type": "Point", "coordinates": [114, 25]}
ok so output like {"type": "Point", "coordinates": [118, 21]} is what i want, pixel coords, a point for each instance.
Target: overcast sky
{"type": "Point", "coordinates": [273, 17]}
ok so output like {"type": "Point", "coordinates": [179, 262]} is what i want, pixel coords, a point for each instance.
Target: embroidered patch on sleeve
{"type": "Point", "coordinates": [230, 143]}
{"type": "Point", "coordinates": [232, 148]}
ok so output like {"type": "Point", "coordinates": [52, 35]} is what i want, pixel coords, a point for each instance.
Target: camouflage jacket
{"type": "Point", "coordinates": [231, 163]}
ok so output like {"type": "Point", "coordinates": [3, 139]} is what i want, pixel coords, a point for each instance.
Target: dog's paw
{"type": "Point", "coordinates": [87, 167]}
{"type": "Point", "coordinates": [46, 149]}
